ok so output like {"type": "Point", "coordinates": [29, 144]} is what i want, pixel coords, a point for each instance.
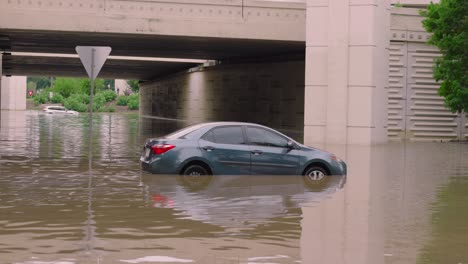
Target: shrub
{"type": "Point", "coordinates": [111, 109]}
{"type": "Point", "coordinates": [122, 100]}
{"type": "Point", "coordinates": [99, 98]}
{"type": "Point", "coordinates": [41, 98]}
{"type": "Point", "coordinates": [57, 98]}
{"type": "Point", "coordinates": [134, 97]}
{"type": "Point", "coordinates": [73, 103]}
{"type": "Point", "coordinates": [82, 98]}
{"type": "Point", "coordinates": [99, 108]}
{"type": "Point", "coordinates": [133, 104]}
{"type": "Point", "coordinates": [109, 95]}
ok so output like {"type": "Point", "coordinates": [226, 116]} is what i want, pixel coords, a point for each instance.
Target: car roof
{"type": "Point", "coordinates": [228, 123]}
{"type": "Point", "coordinates": [208, 125]}
{"type": "Point", "coordinates": [59, 106]}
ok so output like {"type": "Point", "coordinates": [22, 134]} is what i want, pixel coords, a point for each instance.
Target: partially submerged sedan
{"type": "Point", "coordinates": [234, 148]}
{"type": "Point", "coordinates": [53, 109]}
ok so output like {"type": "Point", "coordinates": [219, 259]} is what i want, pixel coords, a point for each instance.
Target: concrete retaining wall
{"type": "Point", "coordinates": [270, 94]}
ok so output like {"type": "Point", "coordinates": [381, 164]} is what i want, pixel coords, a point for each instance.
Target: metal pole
{"type": "Point", "coordinates": [89, 231]}
{"type": "Point", "coordinates": [462, 126]}
{"type": "Point", "coordinates": [91, 95]}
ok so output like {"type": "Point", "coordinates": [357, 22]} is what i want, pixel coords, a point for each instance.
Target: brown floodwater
{"type": "Point", "coordinates": [66, 201]}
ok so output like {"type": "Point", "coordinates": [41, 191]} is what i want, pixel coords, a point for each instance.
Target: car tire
{"type": "Point", "coordinates": [195, 177]}
{"type": "Point", "coordinates": [195, 170]}
{"type": "Point", "coordinates": [316, 176]}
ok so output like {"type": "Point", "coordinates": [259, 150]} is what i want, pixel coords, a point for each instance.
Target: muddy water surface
{"type": "Point", "coordinates": [401, 202]}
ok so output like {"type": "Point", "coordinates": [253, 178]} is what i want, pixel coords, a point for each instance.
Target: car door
{"type": "Point", "coordinates": [226, 149]}
{"type": "Point", "coordinates": [270, 154]}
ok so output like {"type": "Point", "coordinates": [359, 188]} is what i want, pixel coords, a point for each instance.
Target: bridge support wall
{"type": "Point", "coordinates": [13, 93]}
{"type": "Point", "coordinates": [1, 78]}
{"type": "Point", "coordinates": [346, 71]}
{"type": "Point", "coordinates": [271, 94]}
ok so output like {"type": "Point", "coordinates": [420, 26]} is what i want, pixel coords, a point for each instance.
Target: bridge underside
{"type": "Point", "coordinates": [141, 52]}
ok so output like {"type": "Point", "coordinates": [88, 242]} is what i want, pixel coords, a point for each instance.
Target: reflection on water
{"type": "Point", "coordinates": [401, 203]}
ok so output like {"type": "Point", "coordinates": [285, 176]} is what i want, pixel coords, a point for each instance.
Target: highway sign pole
{"type": "Point", "coordinates": [91, 94]}
{"type": "Point", "coordinates": [93, 59]}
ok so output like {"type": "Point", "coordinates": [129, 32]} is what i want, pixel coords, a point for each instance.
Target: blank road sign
{"type": "Point", "coordinates": [86, 56]}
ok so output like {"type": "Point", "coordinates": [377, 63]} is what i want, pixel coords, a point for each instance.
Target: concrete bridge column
{"type": "Point", "coordinates": [1, 78]}
{"type": "Point", "coordinates": [346, 71]}
{"type": "Point", "coordinates": [13, 93]}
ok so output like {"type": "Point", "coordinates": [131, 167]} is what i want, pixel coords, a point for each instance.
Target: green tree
{"type": "Point", "coordinates": [448, 23]}
{"type": "Point", "coordinates": [134, 85]}
{"type": "Point", "coordinates": [40, 82]}
{"type": "Point", "coordinates": [66, 86]}
{"type": "Point", "coordinates": [31, 86]}
{"type": "Point", "coordinates": [109, 84]}
{"type": "Point", "coordinates": [85, 86]}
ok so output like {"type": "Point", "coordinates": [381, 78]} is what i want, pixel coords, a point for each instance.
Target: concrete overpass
{"type": "Point", "coordinates": [216, 30]}
{"type": "Point", "coordinates": [343, 43]}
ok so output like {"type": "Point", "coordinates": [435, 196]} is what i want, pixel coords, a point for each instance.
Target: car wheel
{"type": "Point", "coordinates": [195, 170]}
{"type": "Point", "coordinates": [316, 178]}
{"type": "Point", "coordinates": [315, 175]}
{"type": "Point", "coordinates": [195, 177]}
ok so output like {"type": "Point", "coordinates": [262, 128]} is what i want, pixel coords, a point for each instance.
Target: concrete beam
{"type": "Point", "coordinates": [415, 3]}
{"type": "Point", "coordinates": [266, 20]}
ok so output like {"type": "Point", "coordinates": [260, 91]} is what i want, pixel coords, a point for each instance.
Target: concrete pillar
{"type": "Point", "coordinates": [346, 71]}
{"type": "Point", "coordinates": [13, 93]}
{"type": "Point", "coordinates": [1, 78]}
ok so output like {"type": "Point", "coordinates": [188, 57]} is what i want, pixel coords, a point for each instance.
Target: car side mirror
{"type": "Point", "coordinates": [291, 145]}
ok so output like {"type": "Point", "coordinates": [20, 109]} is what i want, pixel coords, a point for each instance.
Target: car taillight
{"type": "Point", "coordinates": [160, 148]}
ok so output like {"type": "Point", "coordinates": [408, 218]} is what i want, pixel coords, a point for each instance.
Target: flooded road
{"type": "Point", "coordinates": [401, 202]}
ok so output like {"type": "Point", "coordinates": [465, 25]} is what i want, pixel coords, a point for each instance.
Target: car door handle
{"type": "Point", "coordinates": [208, 148]}
{"type": "Point", "coordinates": [257, 152]}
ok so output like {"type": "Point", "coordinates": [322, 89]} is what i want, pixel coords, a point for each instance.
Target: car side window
{"type": "Point", "coordinates": [225, 135]}
{"type": "Point", "coordinates": [262, 137]}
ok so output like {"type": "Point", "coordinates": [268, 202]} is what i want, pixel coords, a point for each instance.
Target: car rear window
{"type": "Point", "coordinates": [183, 132]}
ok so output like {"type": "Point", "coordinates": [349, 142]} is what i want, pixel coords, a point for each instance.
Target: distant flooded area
{"type": "Point", "coordinates": [64, 199]}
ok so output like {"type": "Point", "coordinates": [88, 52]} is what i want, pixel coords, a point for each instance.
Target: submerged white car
{"type": "Point", "coordinates": [58, 110]}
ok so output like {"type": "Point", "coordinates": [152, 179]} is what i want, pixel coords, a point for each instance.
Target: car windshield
{"type": "Point", "coordinates": [183, 132]}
